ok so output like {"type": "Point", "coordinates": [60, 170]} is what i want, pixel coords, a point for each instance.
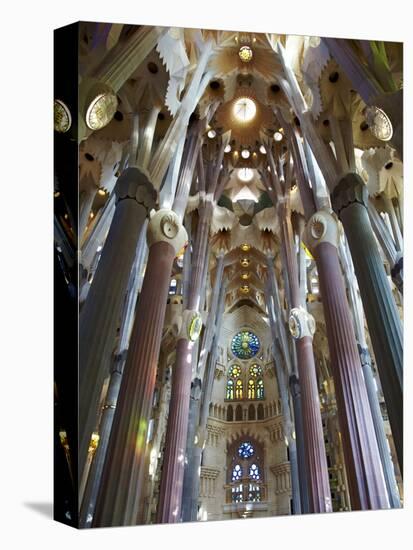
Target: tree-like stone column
{"type": "Point", "coordinates": [302, 327]}
{"type": "Point", "coordinates": [123, 478]}
{"type": "Point", "coordinates": [170, 494]}
{"type": "Point", "coordinates": [364, 472]}
{"type": "Point", "coordinates": [99, 318]}
{"type": "Point", "coordinates": [349, 200]}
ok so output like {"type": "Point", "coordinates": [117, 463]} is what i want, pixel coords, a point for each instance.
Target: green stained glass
{"type": "Point", "coordinates": [245, 344]}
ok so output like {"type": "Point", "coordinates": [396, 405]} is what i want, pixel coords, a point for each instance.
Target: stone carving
{"type": "Point", "coordinates": [322, 227]}
{"type": "Point", "coordinates": [165, 226]}
{"type": "Point", "coordinates": [301, 323]}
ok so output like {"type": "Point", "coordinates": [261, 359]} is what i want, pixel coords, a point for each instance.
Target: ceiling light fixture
{"type": "Point", "coordinates": [245, 154]}
{"type": "Point", "coordinates": [278, 136]}
{"type": "Point", "coordinates": [263, 150]}
{"type": "Point", "coordinates": [227, 148]}
{"type": "Point", "coordinates": [245, 174]}
{"type": "Point", "coordinates": [244, 109]}
{"type": "Point", "coordinates": [245, 54]}
{"type": "Point", "coordinates": [212, 134]}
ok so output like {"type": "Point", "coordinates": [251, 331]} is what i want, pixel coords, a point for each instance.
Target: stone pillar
{"type": "Point", "coordinates": [85, 206]}
{"type": "Point", "coordinates": [123, 479]}
{"type": "Point", "coordinates": [105, 425]}
{"type": "Point", "coordinates": [349, 200]}
{"type": "Point", "coordinates": [191, 476]}
{"type": "Point", "coordinates": [364, 472]}
{"type": "Point", "coordinates": [300, 438]}
{"type": "Point", "coordinates": [387, 464]}
{"type": "Point", "coordinates": [302, 328]}
{"type": "Point", "coordinates": [100, 315]}
{"type": "Point", "coordinates": [170, 494]}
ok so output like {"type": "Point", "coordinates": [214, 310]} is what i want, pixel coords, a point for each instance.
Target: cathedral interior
{"type": "Point", "coordinates": [235, 252]}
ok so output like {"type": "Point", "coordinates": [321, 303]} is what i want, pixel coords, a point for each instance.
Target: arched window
{"type": "Point", "coordinates": [254, 472]}
{"type": "Point", "coordinates": [238, 413]}
{"type": "Point", "coordinates": [245, 471]}
{"type": "Point", "coordinates": [236, 473]}
{"type": "Point", "coordinates": [230, 389]}
{"type": "Point", "coordinates": [230, 413]}
{"type": "Point", "coordinates": [251, 389]}
{"type": "Point", "coordinates": [260, 412]}
{"type": "Point", "coordinates": [233, 382]}
{"type": "Point", "coordinates": [260, 389]}
{"type": "Point", "coordinates": [251, 412]}
{"type": "Point", "coordinates": [238, 389]}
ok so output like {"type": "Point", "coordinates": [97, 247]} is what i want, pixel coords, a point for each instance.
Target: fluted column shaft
{"type": "Point", "coordinates": [170, 496]}
{"type": "Point", "coordinates": [85, 205]}
{"type": "Point", "coordinates": [383, 319]}
{"type": "Point", "coordinates": [365, 477]}
{"type": "Point", "coordinates": [388, 468]}
{"type": "Point", "coordinates": [100, 314]}
{"type": "Point", "coordinates": [287, 417]}
{"type": "Point", "coordinates": [299, 436]}
{"type": "Point", "coordinates": [106, 421]}
{"type": "Point", "coordinates": [316, 461]}
{"type": "Point", "coordinates": [123, 478]}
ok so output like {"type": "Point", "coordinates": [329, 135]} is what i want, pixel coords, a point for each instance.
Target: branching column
{"type": "Point", "coordinates": [365, 476]}
{"type": "Point", "coordinates": [123, 480]}
{"type": "Point", "coordinates": [170, 496]}
{"type": "Point", "coordinates": [350, 202]}
{"type": "Point", "coordinates": [100, 314]}
{"type": "Point", "coordinates": [302, 327]}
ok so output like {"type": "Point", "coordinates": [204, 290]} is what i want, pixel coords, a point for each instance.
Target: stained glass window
{"type": "Point", "coordinates": [245, 344]}
{"type": "Point", "coordinates": [254, 493]}
{"type": "Point", "coordinates": [254, 472]}
{"type": "Point", "coordinates": [237, 493]}
{"type": "Point", "coordinates": [234, 371]}
{"type": "Point", "coordinates": [230, 389]}
{"type": "Point", "coordinates": [255, 370]}
{"type": "Point", "coordinates": [236, 473]}
{"type": "Point", "coordinates": [245, 450]}
{"type": "Point", "coordinates": [251, 389]}
{"type": "Point", "coordinates": [260, 389]}
{"type": "Point", "coordinates": [238, 389]}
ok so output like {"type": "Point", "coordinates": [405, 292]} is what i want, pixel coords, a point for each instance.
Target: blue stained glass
{"type": "Point", "coordinates": [246, 450]}
{"type": "Point", "coordinates": [254, 472]}
{"type": "Point", "coordinates": [236, 472]}
{"type": "Point", "coordinates": [245, 344]}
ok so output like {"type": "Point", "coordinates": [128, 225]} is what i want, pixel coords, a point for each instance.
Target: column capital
{"type": "Point", "coordinates": [165, 226]}
{"type": "Point", "coordinates": [349, 190]}
{"type": "Point", "coordinates": [301, 323]}
{"type": "Point", "coordinates": [134, 184]}
{"type": "Point", "coordinates": [191, 326]}
{"type": "Point", "coordinates": [322, 227]}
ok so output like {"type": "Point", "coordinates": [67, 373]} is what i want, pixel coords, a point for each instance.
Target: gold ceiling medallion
{"type": "Point", "coordinates": [245, 276]}
{"type": "Point", "coordinates": [101, 110]}
{"type": "Point", "coordinates": [62, 116]}
{"type": "Point", "coordinates": [245, 54]}
{"type": "Point", "coordinates": [245, 289]}
{"type": "Point", "coordinates": [245, 262]}
{"type": "Point", "coordinates": [245, 247]}
{"type": "Point", "coordinates": [379, 123]}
